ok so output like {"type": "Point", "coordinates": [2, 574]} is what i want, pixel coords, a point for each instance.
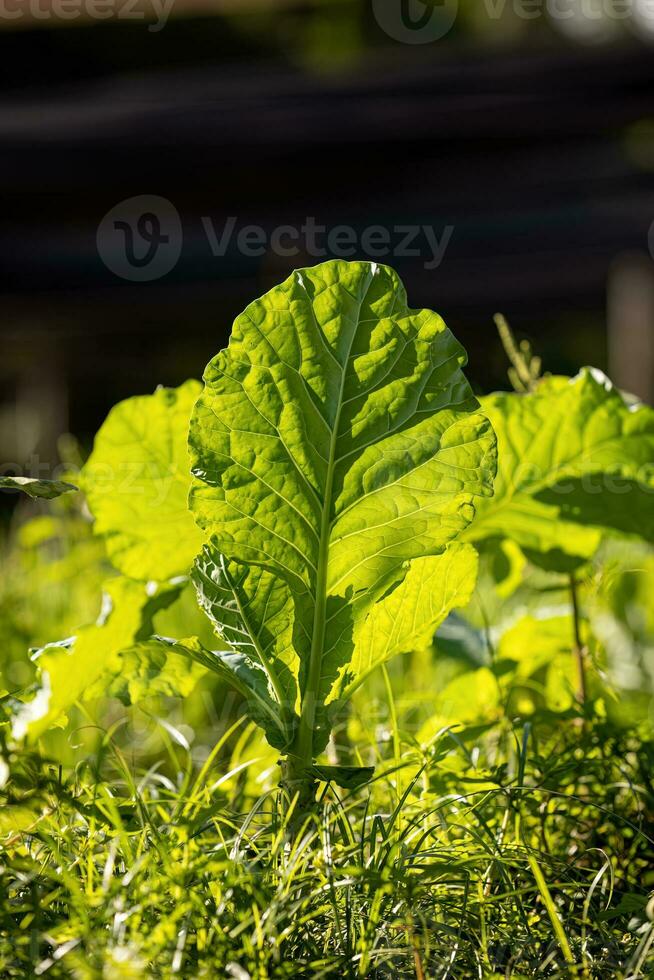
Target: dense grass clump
{"type": "Point", "coordinates": [506, 851]}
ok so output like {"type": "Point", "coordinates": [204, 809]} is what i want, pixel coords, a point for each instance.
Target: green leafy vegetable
{"type": "Point", "coordinates": [137, 481]}
{"type": "Point", "coordinates": [48, 489]}
{"type": "Point", "coordinates": [337, 450]}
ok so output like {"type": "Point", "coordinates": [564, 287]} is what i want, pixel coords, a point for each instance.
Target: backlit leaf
{"type": "Point", "coordinates": [407, 618]}
{"type": "Point", "coordinates": [69, 670]}
{"type": "Point", "coordinates": [576, 461]}
{"type": "Point", "coordinates": [137, 481]}
{"type": "Point", "coordinates": [335, 442]}
{"type": "Point", "coordinates": [252, 612]}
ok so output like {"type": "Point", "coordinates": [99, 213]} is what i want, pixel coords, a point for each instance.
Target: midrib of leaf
{"type": "Point", "coordinates": [304, 745]}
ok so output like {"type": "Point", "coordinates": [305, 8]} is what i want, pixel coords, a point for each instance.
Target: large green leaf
{"type": "Point", "coordinates": [70, 670]}
{"type": "Point", "coordinates": [336, 440]}
{"type": "Point", "coordinates": [33, 487]}
{"type": "Point", "coordinates": [137, 481]}
{"type": "Point", "coordinates": [575, 461]}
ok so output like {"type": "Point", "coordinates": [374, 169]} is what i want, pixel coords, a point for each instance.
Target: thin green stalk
{"type": "Point", "coordinates": [483, 926]}
{"type": "Point", "coordinates": [522, 764]}
{"type": "Point", "coordinates": [525, 370]}
{"type": "Point", "coordinates": [397, 748]}
{"type": "Point", "coordinates": [579, 649]}
{"type": "Point", "coordinates": [554, 917]}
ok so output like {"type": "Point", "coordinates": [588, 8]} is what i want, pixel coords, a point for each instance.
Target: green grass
{"type": "Point", "coordinates": [498, 851]}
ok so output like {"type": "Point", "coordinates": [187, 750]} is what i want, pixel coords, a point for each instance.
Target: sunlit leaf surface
{"type": "Point", "coordinates": [335, 442]}
{"type": "Point", "coordinates": [575, 461]}
{"type": "Point", "coordinates": [137, 481]}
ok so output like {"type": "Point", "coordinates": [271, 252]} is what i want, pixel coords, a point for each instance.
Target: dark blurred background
{"type": "Point", "coordinates": [520, 134]}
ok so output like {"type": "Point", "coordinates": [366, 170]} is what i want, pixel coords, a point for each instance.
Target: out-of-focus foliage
{"type": "Point", "coordinates": [621, 610]}
{"type": "Point", "coordinates": [82, 666]}
{"type": "Point", "coordinates": [521, 624]}
{"type": "Point", "coordinates": [576, 461]}
{"type": "Point", "coordinates": [327, 34]}
{"type": "Point", "coordinates": [51, 571]}
{"type": "Point", "coordinates": [137, 481]}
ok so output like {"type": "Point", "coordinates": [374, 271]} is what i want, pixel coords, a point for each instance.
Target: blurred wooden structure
{"type": "Point", "coordinates": [631, 324]}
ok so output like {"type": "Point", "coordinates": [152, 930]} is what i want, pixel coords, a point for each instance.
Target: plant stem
{"type": "Point", "coordinates": [515, 356]}
{"type": "Point", "coordinates": [304, 741]}
{"type": "Point", "coordinates": [579, 649]}
{"type": "Point", "coordinates": [397, 748]}
{"type": "Point", "coordinates": [301, 787]}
